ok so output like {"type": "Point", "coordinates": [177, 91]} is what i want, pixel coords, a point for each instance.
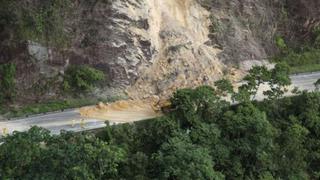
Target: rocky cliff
{"type": "Point", "coordinates": [152, 47]}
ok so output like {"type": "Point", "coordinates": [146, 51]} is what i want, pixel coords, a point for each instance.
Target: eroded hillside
{"type": "Point", "coordinates": [152, 47]}
{"type": "Point", "coordinates": [178, 32]}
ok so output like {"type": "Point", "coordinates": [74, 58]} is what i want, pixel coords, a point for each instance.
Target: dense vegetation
{"type": "Point", "coordinates": [82, 78]}
{"type": "Point", "coordinates": [305, 57]}
{"type": "Point", "coordinates": [204, 137]}
{"type": "Point", "coordinates": [304, 60]}
{"type": "Point", "coordinates": [36, 20]}
{"type": "Point", "coordinates": [7, 82]}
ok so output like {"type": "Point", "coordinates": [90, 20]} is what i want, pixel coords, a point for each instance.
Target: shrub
{"type": "Point", "coordinates": [305, 58]}
{"type": "Point", "coordinates": [81, 78]}
{"type": "Point", "coordinates": [304, 61]}
{"type": "Point", "coordinates": [281, 44]}
{"type": "Point", "coordinates": [7, 83]}
{"type": "Point", "coordinates": [223, 87]}
{"type": "Point", "coordinates": [316, 32]}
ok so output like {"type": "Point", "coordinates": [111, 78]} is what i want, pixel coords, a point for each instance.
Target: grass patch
{"type": "Point", "coordinates": [305, 68]}
{"type": "Point", "coordinates": [58, 105]}
{"type": "Point", "coordinates": [305, 60]}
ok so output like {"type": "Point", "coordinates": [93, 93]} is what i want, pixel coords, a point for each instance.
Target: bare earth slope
{"type": "Point", "coordinates": [178, 31]}
{"type": "Point", "coordinates": [152, 47]}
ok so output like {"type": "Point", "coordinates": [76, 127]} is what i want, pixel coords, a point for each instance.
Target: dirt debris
{"type": "Point", "coordinates": [124, 110]}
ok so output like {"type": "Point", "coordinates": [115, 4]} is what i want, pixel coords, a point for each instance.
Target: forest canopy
{"type": "Point", "coordinates": [203, 137]}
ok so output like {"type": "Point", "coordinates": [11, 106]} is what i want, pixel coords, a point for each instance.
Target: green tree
{"type": "Point", "coordinates": [280, 79]}
{"type": "Point", "coordinates": [249, 137]}
{"type": "Point", "coordinates": [193, 106]}
{"type": "Point", "coordinates": [243, 95]}
{"type": "Point", "coordinates": [155, 133]}
{"type": "Point", "coordinates": [309, 116]}
{"type": "Point", "coordinates": [179, 159]}
{"type": "Point", "coordinates": [277, 79]}
{"type": "Point", "coordinates": [72, 156]}
{"type": "Point", "coordinates": [183, 101]}
{"type": "Point", "coordinates": [136, 167]}
{"type": "Point", "coordinates": [256, 76]}
{"type": "Point", "coordinates": [291, 153]}
{"type": "Point", "coordinates": [223, 87]}
{"type": "Point", "coordinates": [21, 153]}
{"type": "Point", "coordinates": [252, 140]}
{"type": "Point", "coordinates": [38, 155]}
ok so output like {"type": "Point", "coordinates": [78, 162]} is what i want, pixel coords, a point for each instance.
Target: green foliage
{"type": "Point", "coordinates": [180, 159]}
{"type": "Point", "coordinates": [243, 95]}
{"type": "Point", "coordinates": [308, 56]}
{"type": "Point", "coordinates": [37, 155]}
{"type": "Point", "coordinates": [50, 106]}
{"type": "Point", "coordinates": [224, 87]}
{"type": "Point", "coordinates": [37, 20]}
{"type": "Point", "coordinates": [305, 68]}
{"type": "Point", "coordinates": [81, 78]}
{"type": "Point", "coordinates": [317, 42]}
{"type": "Point", "coordinates": [280, 43]}
{"type": "Point", "coordinates": [203, 138]}
{"type": "Point", "coordinates": [271, 139]}
{"type": "Point", "coordinates": [277, 79]}
{"type": "Point", "coordinates": [192, 105]}
{"type": "Point", "coordinates": [21, 152]}
{"type": "Point", "coordinates": [256, 77]}
{"type": "Point", "coordinates": [297, 121]}
{"type": "Point", "coordinates": [303, 59]}
{"type": "Point", "coordinates": [310, 119]}
{"type": "Point", "coordinates": [7, 81]}
{"type": "Point", "coordinates": [316, 32]}
{"type": "Point", "coordinates": [249, 136]}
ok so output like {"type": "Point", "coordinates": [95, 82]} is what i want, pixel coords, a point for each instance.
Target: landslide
{"type": "Point", "coordinates": [147, 47]}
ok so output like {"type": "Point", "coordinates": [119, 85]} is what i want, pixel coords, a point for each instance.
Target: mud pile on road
{"type": "Point", "coordinates": [123, 111]}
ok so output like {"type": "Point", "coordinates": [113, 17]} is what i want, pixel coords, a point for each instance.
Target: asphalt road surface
{"type": "Point", "coordinates": [71, 120]}
{"type": "Point", "coordinates": [55, 122]}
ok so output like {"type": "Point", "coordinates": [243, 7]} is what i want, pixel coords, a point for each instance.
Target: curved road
{"type": "Point", "coordinates": [71, 120]}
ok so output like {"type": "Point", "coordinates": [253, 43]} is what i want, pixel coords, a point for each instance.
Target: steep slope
{"type": "Point", "coordinates": [152, 47]}
{"type": "Point", "coordinates": [178, 32]}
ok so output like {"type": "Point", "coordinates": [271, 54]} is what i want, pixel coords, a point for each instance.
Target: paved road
{"type": "Point", "coordinates": [72, 121]}
{"type": "Point", "coordinates": [305, 81]}
{"type": "Point", "coordinates": [69, 120]}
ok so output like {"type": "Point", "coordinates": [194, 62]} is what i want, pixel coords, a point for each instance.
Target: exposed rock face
{"type": "Point", "coordinates": [152, 47]}
{"type": "Point", "coordinates": [113, 37]}
{"type": "Point", "coordinates": [244, 29]}
{"type": "Point", "coordinates": [178, 32]}
{"type": "Point", "coordinates": [304, 16]}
